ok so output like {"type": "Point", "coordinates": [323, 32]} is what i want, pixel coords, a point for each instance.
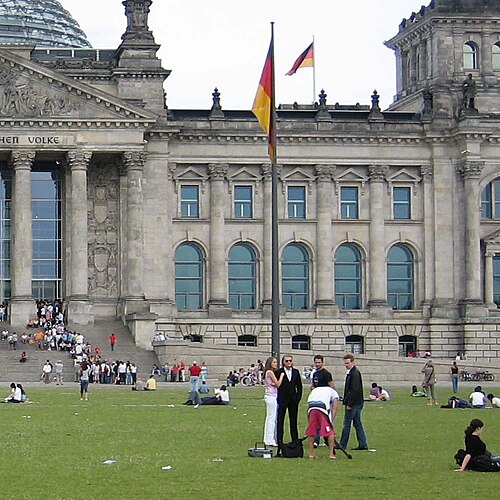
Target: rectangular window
{"type": "Point", "coordinates": [296, 202]}
{"type": "Point", "coordinates": [349, 203]}
{"type": "Point", "coordinates": [486, 202]}
{"type": "Point", "coordinates": [190, 202]}
{"type": "Point", "coordinates": [243, 202]}
{"type": "Point", "coordinates": [401, 202]}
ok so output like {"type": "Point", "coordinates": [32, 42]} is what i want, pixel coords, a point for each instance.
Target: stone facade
{"type": "Point", "coordinates": [383, 245]}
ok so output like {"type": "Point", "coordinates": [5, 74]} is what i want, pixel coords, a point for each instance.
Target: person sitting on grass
{"type": "Point", "coordinates": [416, 393]}
{"type": "Point", "coordinates": [139, 385]}
{"type": "Point", "coordinates": [150, 384]}
{"type": "Point", "coordinates": [204, 389]}
{"type": "Point", "coordinates": [221, 397]}
{"type": "Point", "coordinates": [322, 407]}
{"type": "Point", "coordinates": [374, 392]}
{"type": "Point", "coordinates": [15, 394]}
{"type": "Point", "coordinates": [495, 402]}
{"type": "Point", "coordinates": [478, 398]}
{"type": "Point", "coordinates": [384, 394]}
{"type": "Point", "coordinates": [24, 397]}
{"type": "Point", "coordinates": [475, 449]}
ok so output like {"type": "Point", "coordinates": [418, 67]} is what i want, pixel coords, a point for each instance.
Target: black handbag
{"type": "Point", "coordinates": [293, 449]}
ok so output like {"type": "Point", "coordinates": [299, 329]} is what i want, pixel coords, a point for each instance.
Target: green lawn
{"type": "Point", "coordinates": [58, 452]}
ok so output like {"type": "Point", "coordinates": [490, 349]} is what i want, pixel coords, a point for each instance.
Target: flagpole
{"type": "Point", "coordinates": [275, 302]}
{"type": "Point", "coordinates": [314, 71]}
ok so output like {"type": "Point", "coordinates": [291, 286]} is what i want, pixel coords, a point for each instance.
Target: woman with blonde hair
{"type": "Point", "coordinates": [429, 382]}
{"type": "Point", "coordinates": [271, 384]}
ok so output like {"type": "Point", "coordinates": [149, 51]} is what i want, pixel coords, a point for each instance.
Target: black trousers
{"type": "Point", "coordinates": [293, 410]}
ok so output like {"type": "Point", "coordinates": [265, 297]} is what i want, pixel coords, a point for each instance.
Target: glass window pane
{"type": "Point", "coordinates": [496, 57]}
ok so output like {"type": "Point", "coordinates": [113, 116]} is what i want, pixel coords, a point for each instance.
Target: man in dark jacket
{"type": "Point", "coordinates": [289, 396]}
{"type": "Point", "coordinates": [353, 402]}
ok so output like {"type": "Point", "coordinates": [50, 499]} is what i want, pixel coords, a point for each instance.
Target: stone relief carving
{"type": "Point", "coordinates": [103, 230]}
{"type": "Point", "coordinates": [20, 97]}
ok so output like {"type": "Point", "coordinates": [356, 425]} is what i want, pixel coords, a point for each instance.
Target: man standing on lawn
{"type": "Point", "coordinates": [194, 376]}
{"type": "Point", "coordinates": [353, 402]}
{"type": "Point", "coordinates": [289, 396]}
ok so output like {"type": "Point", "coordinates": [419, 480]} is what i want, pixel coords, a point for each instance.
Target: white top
{"type": "Point", "coordinates": [224, 395]}
{"type": "Point", "coordinates": [495, 402]}
{"type": "Point", "coordinates": [17, 394]}
{"type": "Point", "coordinates": [324, 395]}
{"type": "Point", "coordinates": [385, 394]}
{"type": "Point", "coordinates": [47, 368]}
{"type": "Point", "coordinates": [478, 399]}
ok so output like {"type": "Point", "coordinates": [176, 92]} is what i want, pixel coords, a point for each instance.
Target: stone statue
{"type": "Point", "coordinates": [468, 92]}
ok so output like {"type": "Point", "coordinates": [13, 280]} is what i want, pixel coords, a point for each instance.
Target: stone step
{"type": "Point", "coordinates": [12, 370]}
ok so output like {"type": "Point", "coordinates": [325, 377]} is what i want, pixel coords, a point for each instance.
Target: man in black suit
{"type": "Point", "coordinates": [289, 396]}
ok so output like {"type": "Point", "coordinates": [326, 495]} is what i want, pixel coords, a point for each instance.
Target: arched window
{"type": "Point", "coordinates": [490, 200]}
{"type": "Point", "coordinates": [496, 280]}
{"type": "Point", "coordinates": [407, 345]}
{"type": "Point", "coordinates": [188, 277]}
{"type": "Point", "coordinates": [247, 341]}
{"type": "Point", "coordinates": [355, 344]}
{"type": "Point", "coordinates": [295, 278]}
{"type": "Point", "coordinates": [496, 56]}
{"type": "Point", "coordinates": [301, 342]}
{"type": "Point", "coordinates": [348, 277]}
{"type": "Point", "coordinates": [470, 55]}
{"type": "Point", "coordinates": [241, 275]}
{"type": "Point", "coordinates": [400, 277]}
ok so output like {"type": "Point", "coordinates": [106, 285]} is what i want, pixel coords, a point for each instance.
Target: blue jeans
{"type": "Point", "coordinates": [454, 383]}
{"type": "Point", "coordinates": [193, 384]}
{"type": "Point", "coordinates": [353, 416]}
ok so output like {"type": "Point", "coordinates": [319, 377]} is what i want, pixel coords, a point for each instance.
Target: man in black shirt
{"type": "Point", "coordinates": [320, 376]}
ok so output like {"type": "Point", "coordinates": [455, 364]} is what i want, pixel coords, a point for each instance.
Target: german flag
{"type": "Point", "coordinates": [305, 60]}
{"type": "Point", "coordinates": [263, 105]}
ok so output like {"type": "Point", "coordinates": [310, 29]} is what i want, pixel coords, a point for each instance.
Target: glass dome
{"type": "Point", "coordinates": [43, 23]}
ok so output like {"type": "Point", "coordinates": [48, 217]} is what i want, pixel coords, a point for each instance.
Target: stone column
{"type": "Point", "coordinates": [429, 250]}
{"type": "Point", "coordinates": [472, 304]}
{"type": "Point", "coordinates": [134, 163]}
{"type": "Point", "coordinates": [22, 304]}
{"type": "Point", "coordinates": [488, 280]}
{"type": "Point", "coordinates": [324, 276]}
{"type": "Point", "coordinates": [218, 302]}
{"type": "Point", "coordinates": [378, 270]}
{"type": "Point", "coordinates": [267, 241]}
{"type": "Point", "coordinates": [79, 308]}
{"type": "Point", "coordinates": [486, 60]}
{"type": "Point", "coordinates": [413, 66]}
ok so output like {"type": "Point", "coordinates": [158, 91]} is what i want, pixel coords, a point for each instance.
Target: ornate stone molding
{"type": "Point", "coordinates": [267, 171]}
{"type": "Point", "coordinates": [378, 173]}
{"type": "Point", "coordinates": [426, 171]}
{"type": "Point", "coordinates": [217, 171]}
{"type": "Point", "coordinates": [324, 172]}
{"type": "Point", "coordinates": [22, 159]}
{"type": "Point", "coordinates": [137, 12]}
{"type": "Point", "coordinates": [471, 169]}
{"type": "Point", "coordinates": [135, 160]}
{"type": "Point", "coordinates": [79, 160]}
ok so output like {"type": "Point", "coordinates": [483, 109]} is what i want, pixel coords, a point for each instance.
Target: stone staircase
{"type": "Point", "coordinates": [11, 370]}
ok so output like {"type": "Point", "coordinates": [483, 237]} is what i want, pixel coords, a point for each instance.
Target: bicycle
{"type": "Point", "coordinates": [483, 375]}
{"type": "Point", "coordinates": [248, 380]}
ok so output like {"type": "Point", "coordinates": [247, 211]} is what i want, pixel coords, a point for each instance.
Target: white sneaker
{"type": "Point", "coordinates": [196, 406]}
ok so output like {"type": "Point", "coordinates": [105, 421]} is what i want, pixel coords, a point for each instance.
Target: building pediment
{"type": "Point", "coordinates": [33, 93]}
{"type": "Point", "coordinates": [493, 239]}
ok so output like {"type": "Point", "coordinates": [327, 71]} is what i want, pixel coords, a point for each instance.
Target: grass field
{"type": "Point", "coordinates": [55, 448]}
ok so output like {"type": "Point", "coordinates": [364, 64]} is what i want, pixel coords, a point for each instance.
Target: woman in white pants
{"type": "Point", "coordinates": [271, 392]}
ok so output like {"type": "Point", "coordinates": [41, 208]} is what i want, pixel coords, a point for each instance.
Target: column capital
{"type": "Point", "coordinates": [426, 171]}
{"type": "Point", "coordinates": [378, 173]}
{"type": "Point", "coordinates": [267, 170]}
{"type": "Point", "coordinates": [79, 160]}
{"type": "Point", "coordinates": [324, 172]}
{"type": "Point", "coordinates": [135, 160]}
{"type": "Point", "coordinates": [22, 159]}
{"type": "Point", "coordinates": [218, 170]}
{"type": "Point", "coordinates": [471, 169]}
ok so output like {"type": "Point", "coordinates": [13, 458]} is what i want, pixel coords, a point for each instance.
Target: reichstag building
{"type": "Point", "coordinates": [389, 220]}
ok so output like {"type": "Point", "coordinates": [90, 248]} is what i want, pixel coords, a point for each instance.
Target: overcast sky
{"type": "Point", "coordinates": [224, 44]}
